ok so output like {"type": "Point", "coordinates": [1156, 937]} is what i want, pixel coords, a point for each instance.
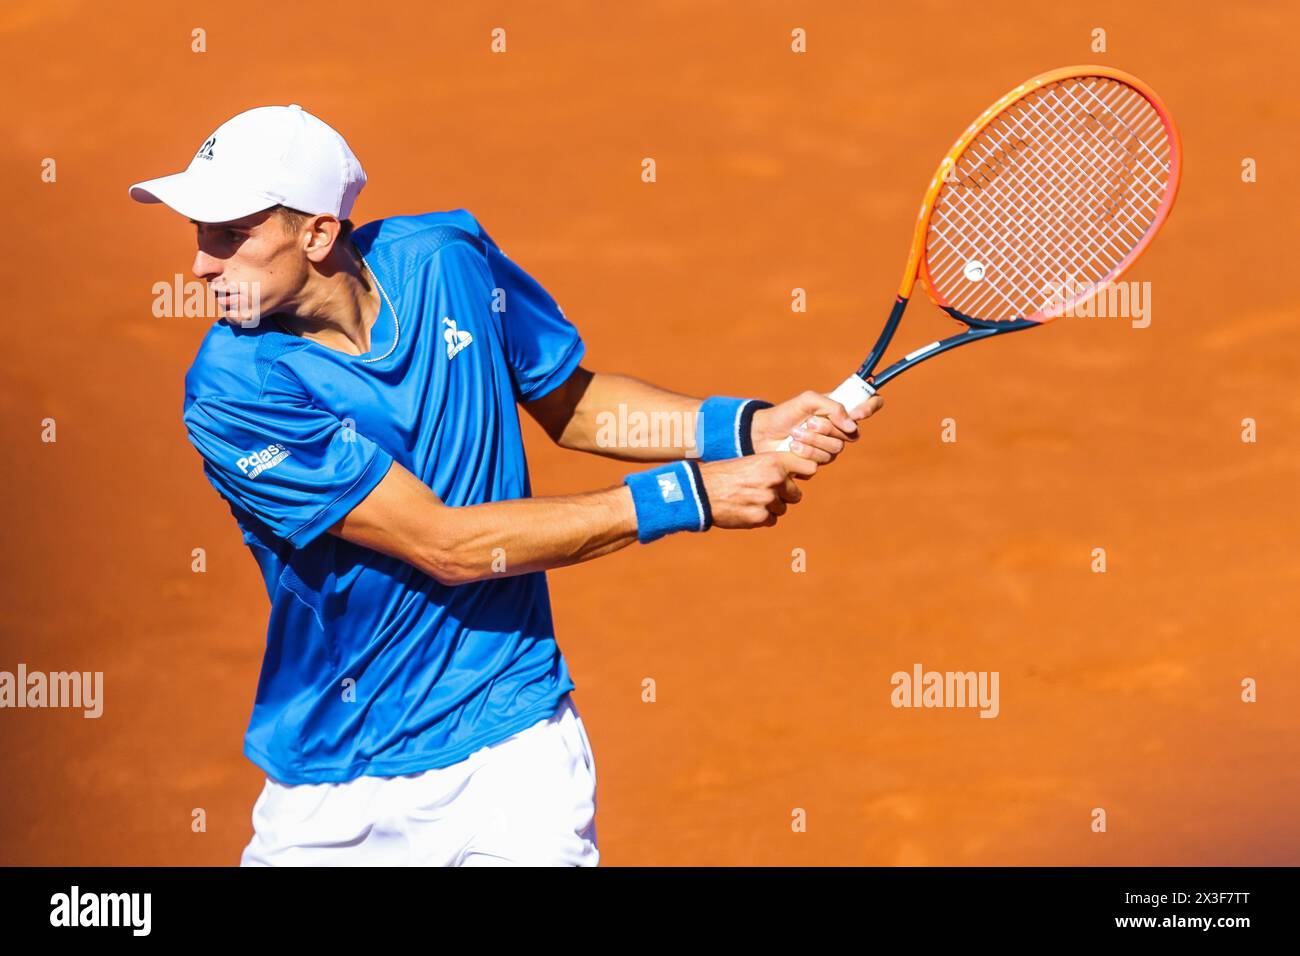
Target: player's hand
{"type": "Point", "coordinates": [819, 426]}
{"type": "Point", "coordinates": [752, 492]}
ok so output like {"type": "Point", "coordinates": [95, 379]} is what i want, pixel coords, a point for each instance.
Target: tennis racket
{"type": "Point", "coordinates": [1052, 193]}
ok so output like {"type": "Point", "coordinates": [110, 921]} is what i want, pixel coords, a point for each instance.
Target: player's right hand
{"type": "Point", "coordinates": [752, 492]}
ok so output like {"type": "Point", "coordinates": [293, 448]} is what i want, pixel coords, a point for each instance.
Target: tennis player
{"type": "Point", "coordinates": [356, 406]}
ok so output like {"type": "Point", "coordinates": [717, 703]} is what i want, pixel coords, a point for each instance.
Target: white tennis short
{"type": "Point", "coordinates": [527, 801]}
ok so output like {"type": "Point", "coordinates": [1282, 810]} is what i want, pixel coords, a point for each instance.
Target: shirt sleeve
{"type": "Point", "coordinates": [295, 467]}
{"type": "Point", "coordinates": [542, 346]}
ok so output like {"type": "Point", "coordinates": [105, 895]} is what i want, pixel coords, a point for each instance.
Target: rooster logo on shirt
{"type": "Point", "coordinates": [455, 338]}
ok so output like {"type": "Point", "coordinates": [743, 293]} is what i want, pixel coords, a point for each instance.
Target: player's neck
{"type": "Point", "coordinates": [338, 306]}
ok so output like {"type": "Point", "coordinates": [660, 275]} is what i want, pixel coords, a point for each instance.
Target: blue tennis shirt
{"type": "Point", "coordinates": [371, 666]}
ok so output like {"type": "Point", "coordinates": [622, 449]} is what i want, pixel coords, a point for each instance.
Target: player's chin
{"type": "Point", "coordinates": [241, 318]}
{"type": "Point", "coordinates": [241, 310]}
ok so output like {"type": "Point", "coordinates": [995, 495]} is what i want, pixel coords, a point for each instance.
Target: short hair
{"type": "Point", "coordinates": [293, 220]}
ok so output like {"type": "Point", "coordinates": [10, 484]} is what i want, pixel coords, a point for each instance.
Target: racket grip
{"type": "Point", "coordinates": [850, 393]}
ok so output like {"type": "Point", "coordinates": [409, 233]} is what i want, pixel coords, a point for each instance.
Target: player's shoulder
{"type": "Point", "coordinates": [411, 241]}
{"type": "Point", "coordinates": [234, 362]}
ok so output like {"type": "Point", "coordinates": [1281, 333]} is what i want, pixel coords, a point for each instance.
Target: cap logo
{"type": "Point", "coordinates": [205, 151]}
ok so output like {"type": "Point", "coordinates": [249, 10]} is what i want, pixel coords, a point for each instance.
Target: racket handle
{"type": "Point", "coordinates": [850, 393]}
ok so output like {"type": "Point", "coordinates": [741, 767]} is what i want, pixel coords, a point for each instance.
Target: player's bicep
{"type": "Point", "coordinates": [554, 410]}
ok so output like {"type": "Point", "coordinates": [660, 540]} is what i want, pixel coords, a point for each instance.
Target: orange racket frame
{"type": "Point", "coordinates": [858, 387]}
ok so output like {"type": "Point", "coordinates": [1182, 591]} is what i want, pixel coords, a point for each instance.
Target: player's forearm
{"type": "Point", "coordinates": [631, 420]}
{"type": "Point", "coordinates": [504, 538]}
{"type": "Point", "coordinates": [403, 518]}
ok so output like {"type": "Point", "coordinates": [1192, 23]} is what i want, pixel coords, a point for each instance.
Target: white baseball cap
{"type": "Point", "coordinates": [269, 156]}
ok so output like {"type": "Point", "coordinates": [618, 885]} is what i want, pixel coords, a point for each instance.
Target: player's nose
{"type": "Point", "coordinates": [206, 266]}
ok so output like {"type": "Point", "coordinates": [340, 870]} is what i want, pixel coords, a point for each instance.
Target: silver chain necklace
{"type": "Point", "coordinates": [397, 325]}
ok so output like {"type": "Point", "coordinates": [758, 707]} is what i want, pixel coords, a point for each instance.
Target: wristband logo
{"type": "Point", "coordinates": [670, 488]}
{"type": "Point", "coordinates": [255, 463]}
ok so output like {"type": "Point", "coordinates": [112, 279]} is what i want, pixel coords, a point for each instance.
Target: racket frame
{"type": "Point", "coordinates": [917, 266]}
{"type": "Point", "coordinates": [866, 381]}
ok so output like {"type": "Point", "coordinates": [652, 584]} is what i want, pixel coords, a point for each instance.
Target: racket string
{"type": "Point", "coordinates": [973, 204]}
{"type": "Point", "coordinates": [1092, 199]}
{"type": "Point", "coordinates": [1075, 197]}
{"type": "Point", "coordinates": [1099, 207]}
{"type": "Point", "coordinates": [1004, 263]}
{"type": "Point", "coordinates": [1152, 118]}
{"type": "Point", "coordinates": [1128, 177]}
{"type": "Point", "coordinates": [1081, 169]}
{"type": "Point", "coordinates": [1092, 246]}
{"type": "Point", "coordinates": [1068, 180]}
{"type": "Point", "coordinates": [986, 213]}
{"type": "Point", "coordinates": [1057, 235]}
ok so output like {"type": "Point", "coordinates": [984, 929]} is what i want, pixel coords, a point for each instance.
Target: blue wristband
{"type": "Point", "coordinates": [669, 498]}
{"type": "Point", "coordinates": [722, 429]}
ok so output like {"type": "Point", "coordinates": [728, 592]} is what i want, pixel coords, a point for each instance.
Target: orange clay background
{"type": "Point", "coordinates": [1119, 690]}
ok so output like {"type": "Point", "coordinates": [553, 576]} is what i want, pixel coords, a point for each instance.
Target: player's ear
{"type": "Point", "coordinates": [324, 232]}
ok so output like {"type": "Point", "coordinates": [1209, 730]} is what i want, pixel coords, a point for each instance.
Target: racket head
{"type": "Point", "coordinates": [1053, 192]}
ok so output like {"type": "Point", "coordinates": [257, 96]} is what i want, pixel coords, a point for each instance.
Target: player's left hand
{"type": "Point", "coordinates": [819, 426]}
